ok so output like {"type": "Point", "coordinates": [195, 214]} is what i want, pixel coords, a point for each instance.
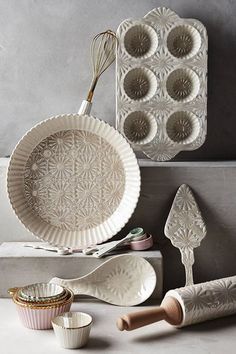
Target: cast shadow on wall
{"type": "Point", "coordinates": [220, 143]}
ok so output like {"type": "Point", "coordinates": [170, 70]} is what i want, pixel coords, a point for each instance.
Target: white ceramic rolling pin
{"type": "Point", "coordinates": [188, 305]}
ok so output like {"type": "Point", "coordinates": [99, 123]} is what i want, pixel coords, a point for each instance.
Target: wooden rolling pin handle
{"type": "Point", "coordinates": [139, 319]}
{"type": "Point", "coordinates": [169, 311]}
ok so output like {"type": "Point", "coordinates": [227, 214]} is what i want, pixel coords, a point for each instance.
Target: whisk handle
{"type": "Point", "coordinates": [85, 107]}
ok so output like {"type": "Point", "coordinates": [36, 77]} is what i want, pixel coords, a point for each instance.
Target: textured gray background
{"type": "Point", "coordinates": [44, 63]}
{"type": "Point", "coordinates": [44, 71]}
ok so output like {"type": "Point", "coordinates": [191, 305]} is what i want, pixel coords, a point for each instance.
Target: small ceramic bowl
{"type": "Point", "coordinates": [39, 316]}
{"type": "Point", "coordinates": [41, 292]}
{"type": "Point", "coordinates": [56, 301]}
{"type": "Point", "coordinates": [72, 329]}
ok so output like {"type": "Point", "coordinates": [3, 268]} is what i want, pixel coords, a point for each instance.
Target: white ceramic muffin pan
{"type": "Point", "coordinates": [162, 83]}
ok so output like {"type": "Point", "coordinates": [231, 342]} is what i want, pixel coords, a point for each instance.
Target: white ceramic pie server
{"type": "Point", "coordinates": [123, 280]}
{"type": "Point", "coordinates": [185, 228]}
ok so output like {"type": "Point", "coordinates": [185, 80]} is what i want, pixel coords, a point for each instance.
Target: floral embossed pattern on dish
{"type": "Point", "coordinates": [74, 180]}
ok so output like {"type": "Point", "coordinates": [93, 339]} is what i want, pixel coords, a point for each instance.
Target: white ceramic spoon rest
{"type": "Point", "coordinates": [123, 280]}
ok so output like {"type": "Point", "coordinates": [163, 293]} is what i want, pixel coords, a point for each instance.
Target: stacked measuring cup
{"type": "Point", "coordinates": [37, 304]}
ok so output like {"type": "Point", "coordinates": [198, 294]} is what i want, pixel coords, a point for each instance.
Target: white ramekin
{"type": "Point", "coordinates": [72, 329]}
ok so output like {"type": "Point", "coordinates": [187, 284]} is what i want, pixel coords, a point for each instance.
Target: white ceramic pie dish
{"type": "Point", "coordinates": [54, 193]}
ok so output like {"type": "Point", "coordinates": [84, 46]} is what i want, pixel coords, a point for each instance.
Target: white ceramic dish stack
{"type": "Point", "coordinates": [162, 83]}
{"type": "Point", "coordinates": [39, 313]}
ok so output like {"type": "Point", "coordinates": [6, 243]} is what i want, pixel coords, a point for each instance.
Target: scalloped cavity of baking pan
{"type": "Point", "coordinates": [140, 84]}
{"type": "Point", "coordinates": [161, 83]}
{"type": "Point", "coordinates": [182, 85]}
{"type": "Point", "coordinates": [141, 41]}
{"type": "Point", "coordinates": [183, 41]}
{"type": "Point", "coordinates": [139, 127]}
{"type": "Point", "coordinates": [183, 127]}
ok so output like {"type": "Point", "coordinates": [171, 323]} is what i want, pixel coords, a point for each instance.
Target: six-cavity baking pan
{"type": "Point", "coordinates": [161, 83]}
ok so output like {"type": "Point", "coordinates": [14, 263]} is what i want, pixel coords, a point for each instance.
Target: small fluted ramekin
{"type": "Point", "coordinates": [58, 301]}
{"type": "Point", "coordinates": [72, 329]}
{"type": "Point", "coordinates": [41, 292]}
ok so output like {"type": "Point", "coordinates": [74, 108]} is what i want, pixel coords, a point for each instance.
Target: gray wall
{"type": "Point", "coordinates": [44, 71]}
{"type": "Point", "coordinates": [44, 63]}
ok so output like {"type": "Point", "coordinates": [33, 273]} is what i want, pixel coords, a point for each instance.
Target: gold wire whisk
{"type": "Point", "coordinates": [103, 53]}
